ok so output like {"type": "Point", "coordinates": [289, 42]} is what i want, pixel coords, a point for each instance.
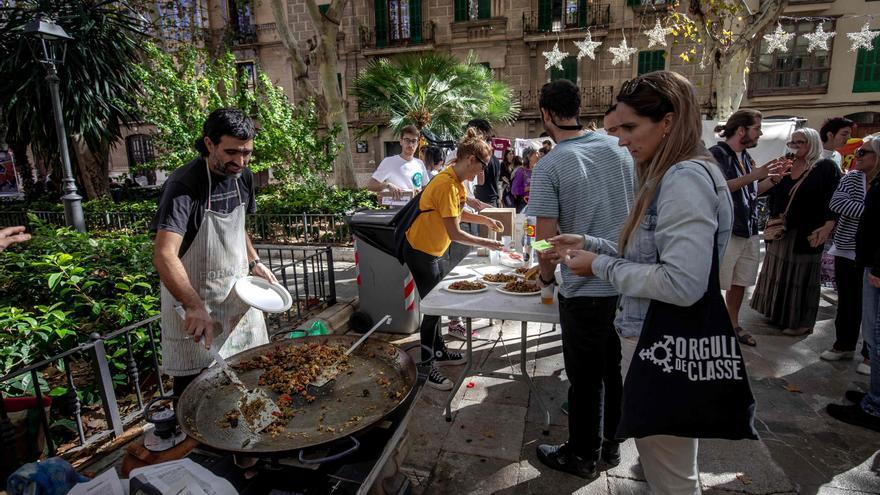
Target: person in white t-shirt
{"type": "Point", "coordinates": [835, 133]}
{"type": "Point", "coordinates": [401, 173]}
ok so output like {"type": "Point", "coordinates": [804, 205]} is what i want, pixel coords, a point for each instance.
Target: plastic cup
{"type": "Point", "coordinates": [547, 295]}
{"type": "Point", "coordinates": [494, 257]}
{"type": "Point", "coordinates": [505, 241]}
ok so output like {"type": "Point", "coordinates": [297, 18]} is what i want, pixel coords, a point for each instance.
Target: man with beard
{"type": "Point", "coordinates": [739, 268]}
{"type": "Point", "coordinates": [584, 186]}
{"type": "Point", "coordinates": [202, 249]}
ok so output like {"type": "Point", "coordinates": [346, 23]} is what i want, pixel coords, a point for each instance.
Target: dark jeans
{"type": "Point", "coordinates": [849, 303]}
{"type": "Point", "coordinates": [427, 272]}
{"type": "Point", "coordinates": [591, 350]}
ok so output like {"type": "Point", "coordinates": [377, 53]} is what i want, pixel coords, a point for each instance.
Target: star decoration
{"type": "Point", "coordinates": [819, 39]}
{"type": "Point", "coordinates": [656, 35]}
{"type": "Point", "coordinates": [778, 40]}
{"type": "Point", "coordinates": [622, 53]}
{"type": "Point", "coordinates": [587, 47]}
{"type": "Point", "coordinates": [862, 39]}
{"type": "Point", "coordinates": [554, 57]}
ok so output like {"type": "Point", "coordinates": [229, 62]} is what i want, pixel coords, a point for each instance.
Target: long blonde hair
{"type": "Point", "coordinates": [654, 95]}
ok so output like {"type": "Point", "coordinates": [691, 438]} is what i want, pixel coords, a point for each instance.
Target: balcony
{"type": "Point", "coordinates": [648, 6]}
{"type": "Point", "coordinates": [538, 25]}
{"type": "Point", "coordinates": [374, 41]}
{"type": "Point", "coordinates": [594, 100]}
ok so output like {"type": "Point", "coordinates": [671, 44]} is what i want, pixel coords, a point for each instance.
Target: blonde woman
{"type": "Point", "coordinates": [669, 249]}
{"type": "Point", "coordinates": [788, 286]}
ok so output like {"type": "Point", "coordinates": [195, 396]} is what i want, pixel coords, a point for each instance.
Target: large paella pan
{"type": "Point", "coordinates": [377, 378]}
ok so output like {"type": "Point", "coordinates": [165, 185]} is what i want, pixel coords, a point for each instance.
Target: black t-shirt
{"type": "Point", "coordinates": [185, 198]}
{"type": "Point", "coordinates": [488, 192]}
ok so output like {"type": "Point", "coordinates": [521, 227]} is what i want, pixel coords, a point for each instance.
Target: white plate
{"type": "Point", "coordinates": [482, 280]}
{"type": "Point", "coordinates": [447, 289]}
{"type": "Point", "coordinates": [257, 292]}
{"type": "Point", "coordinates": [501, 290]}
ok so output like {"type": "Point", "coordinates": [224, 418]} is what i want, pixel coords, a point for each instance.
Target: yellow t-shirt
{"type": "Point", "coordinates": [445, 197]}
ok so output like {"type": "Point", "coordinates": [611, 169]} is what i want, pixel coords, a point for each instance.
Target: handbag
{"type": "Point", "coordinates": [688, 377]}
{"type": "Point", "coordinates": [775, 229]}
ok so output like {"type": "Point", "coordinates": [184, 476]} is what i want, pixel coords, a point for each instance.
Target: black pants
{"type": "Point", "coordinates": [849, 303]}
{"type": "Point", "coordinates": [427, 272]}
{"type": "Point", "coordinates": [591, 350]}
{"type": "Point", "coordinates": [179, 383]}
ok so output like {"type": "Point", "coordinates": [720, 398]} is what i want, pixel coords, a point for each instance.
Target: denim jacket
{"type": "Point", "coordinates": [678, 229]}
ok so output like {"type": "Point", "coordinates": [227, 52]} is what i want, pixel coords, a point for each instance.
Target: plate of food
{"type": "Point", "coordinates": [519, 288]}
{"type": "Point", "coordinates": [498, 278]}
{"type": "Point", "coordinates": [466, 287]}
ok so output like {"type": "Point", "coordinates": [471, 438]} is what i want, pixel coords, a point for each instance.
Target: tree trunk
{"type": "Point", "coordinates": [25, 169]}
{"type": "Point", "coordinates": [93, 171]}
{"type": "Point", "coordinates": [336, 114]}
{"type": "Point", "coordinates": [729, 81]}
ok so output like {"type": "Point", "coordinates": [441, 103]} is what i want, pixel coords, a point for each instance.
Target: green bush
{"type": "Point", "coordinates": [63, 286]}
{"type": "Point", "coordinates": [312, 195]}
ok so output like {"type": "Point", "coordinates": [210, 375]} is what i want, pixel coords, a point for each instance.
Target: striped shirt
{"type": "Point", "coordinates": [848, 201]}
{"type": "Point", "coordinates": [586, 184]}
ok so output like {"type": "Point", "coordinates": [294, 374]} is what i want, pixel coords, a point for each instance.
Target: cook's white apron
{"type": "Point", "coordinates": [214, 261]}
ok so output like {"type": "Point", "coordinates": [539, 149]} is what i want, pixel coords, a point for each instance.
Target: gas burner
{"type": "Point", "coordinates": [165, 432]}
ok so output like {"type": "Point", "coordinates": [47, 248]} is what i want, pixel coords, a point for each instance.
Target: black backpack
{"type": "Point", "coordinates": [402, 221]}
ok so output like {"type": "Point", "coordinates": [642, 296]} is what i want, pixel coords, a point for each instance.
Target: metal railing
{"type": "Point", "coordinates": [595, 15]}
{"type": "Point", "coordinates": [372, 38]}
{"type": "Point", "coordinates": [594, 99]}
{"type": "Point", "coordinates": [308, 275]}
{"type": "Point", "coordinates": [267, 228]}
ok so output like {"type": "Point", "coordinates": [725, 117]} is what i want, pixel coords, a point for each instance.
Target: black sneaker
{"type": "Point", "coordinates": [449, 358]}
{"type": "Point", "coordinates": [436, 379]}
{"type": "Point", "coordinates": [854, 415]}
{"type": "Point", "coordinates": [854, 396]}
{"type": "Point", "coordinates": [610, 453]}
{"type": "Point", "coordinates": [560, 458]}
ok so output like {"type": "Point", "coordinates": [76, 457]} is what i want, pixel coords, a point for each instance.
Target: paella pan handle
{"type": "Point", "coordinates": [333, 457]}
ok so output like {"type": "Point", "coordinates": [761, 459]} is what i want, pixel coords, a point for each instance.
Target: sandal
{"type": "Point", "coordinates": [744, 338]}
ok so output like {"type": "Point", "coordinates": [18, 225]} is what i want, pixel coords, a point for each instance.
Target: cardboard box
{"type": "Point", "coordinates": [506, 216]}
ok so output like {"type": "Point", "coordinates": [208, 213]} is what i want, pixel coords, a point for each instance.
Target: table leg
{"type": "Point", "coordinates": [467, 369]}
{"type": "Point", "coordinates": [525, 374]}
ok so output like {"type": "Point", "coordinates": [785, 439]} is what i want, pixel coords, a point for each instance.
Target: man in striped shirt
{"type": "Point", "coordinates": [585, 186]}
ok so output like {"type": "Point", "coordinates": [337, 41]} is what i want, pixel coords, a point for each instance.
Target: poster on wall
{"type": "Point", "coordinates": [8, 179]}
{"type": "Point", "coordinates": [499, 146]}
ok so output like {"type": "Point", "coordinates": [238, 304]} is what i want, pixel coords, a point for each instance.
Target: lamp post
{"type": "Point", "coordinates": [48, 43]}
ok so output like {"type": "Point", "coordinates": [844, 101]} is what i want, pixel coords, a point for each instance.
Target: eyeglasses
{"type": "Point", "coordinates": [796, 143]}
{"type": "Point", "coordinates": [409, 141]}
{"type": "Point", "coordinates": [862, 152]}
{"type": "Point", "coordinates": [485, 164]}
{"type": "Point", "coordinates": [630, 87]}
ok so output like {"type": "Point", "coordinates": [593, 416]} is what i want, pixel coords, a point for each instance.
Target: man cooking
{"type": "Point", "coordinates": [202, 249]}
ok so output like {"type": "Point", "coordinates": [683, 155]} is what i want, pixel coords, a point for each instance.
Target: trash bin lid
{"type": "Point", "coordinates": [377, 218]}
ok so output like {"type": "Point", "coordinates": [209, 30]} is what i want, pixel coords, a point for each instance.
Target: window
{"type": "Point", "coordinates": [867, 76]}
{"type": "Point", "coordinates": [796, 71]}
{"type": "Point", "coordinates": [139, 148]}
{"type": "Point", "coordinates": [558, 15]}
{"type": "Point", "coordinates": [646, 3]}
{"type": "Point", "coordinates": [651, 61]}
{"type": "Point", "coordinates": [569, 70]}
{"type": "Point", "coordinates": [398, 22]}
{"type": "Point", "coordinates": [250, 73]}
{"type": "Point", "coordinates": [470, 10]}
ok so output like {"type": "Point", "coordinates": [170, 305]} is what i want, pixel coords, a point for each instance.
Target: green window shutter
{"type": "Point", "coordinates": [634, 3]}
{"type": "Point", "coordinates": [415, 21]}
{"type": "Point", "coordinates": [461, 10]}
{"type": "Point", "coordinates": [582, 13]}
{"type": "Point", "coordinates": [568, 71]}
{"type": "Point", "coordinates": [545, 15]}
{"type": "Point", "coordinates": [484, 9]}
{"type": "Point", "coordinates": [867, 75]}
{"type": "Point", "coordinates": [324, 8]}
{"type": "Point", "coordinates": [381, 23]}
{"type": "Point", "coordinates": [651, 61]}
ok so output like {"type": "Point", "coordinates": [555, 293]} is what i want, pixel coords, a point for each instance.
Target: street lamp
{"type": "Point", "coordinates": [48, 43]}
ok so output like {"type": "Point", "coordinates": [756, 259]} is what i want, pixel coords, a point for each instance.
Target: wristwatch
{"type": "Point", "coordinates": [547, 282]}
{"type": "Point", "coordinates": [252, 263]}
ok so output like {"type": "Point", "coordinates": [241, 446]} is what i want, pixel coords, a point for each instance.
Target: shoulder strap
{"type": "Point", "coordinates": [794, 190]}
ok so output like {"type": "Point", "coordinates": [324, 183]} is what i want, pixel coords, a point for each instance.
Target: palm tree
{"type": "Point", "coordinates": [433, 91]}
{"type": "Point", "coordinates": [97, 82]}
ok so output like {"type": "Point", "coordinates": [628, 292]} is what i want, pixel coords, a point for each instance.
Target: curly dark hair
{"type": "Point", "coordinates": [225, 122]}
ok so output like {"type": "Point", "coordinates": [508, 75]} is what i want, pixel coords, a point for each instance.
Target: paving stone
{"type": "Point", "coordinates": [536, 478]}
{"type": "Point", "coordinates": [427, 431]}
{"type": "Point", "coordinates": [626, 486]}
{"type": "Point", "coordinates": [490, 430]}
{"type": "Point", "coordinates": [497, 391]}
{"type": "Point", "coordinates": [743, 466]}
{"type": "Point", "coordinates": [461, 474]}
{"type": "Point", "coordinates": [863, 478]}
{"type": "Point", "coordinates": [629, 467]}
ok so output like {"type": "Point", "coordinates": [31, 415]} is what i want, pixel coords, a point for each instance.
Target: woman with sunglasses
{"type": "Point", "coordinates": [848, 201]}
{"type": "Point", "coordinates": [865, 411]}
{"type": "Point", "coordinates": [680, 222]}
{"type": "Point", "coordinates": [522, 178]}
{"type": "Point", "coordinates": [788, 286]}
{"type": "Point", "coordinates": [428, 238]}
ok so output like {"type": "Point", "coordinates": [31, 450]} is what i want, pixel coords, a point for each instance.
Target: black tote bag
{"type": "Point", "coordinates": [687, 377]}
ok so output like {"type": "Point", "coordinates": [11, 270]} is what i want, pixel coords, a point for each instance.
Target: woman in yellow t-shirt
{"type": "Point", "coordinates": [433, 231]}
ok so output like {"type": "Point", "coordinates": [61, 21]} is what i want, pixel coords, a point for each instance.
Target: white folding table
{"type": "Point", "coordinates": [493, 305]}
